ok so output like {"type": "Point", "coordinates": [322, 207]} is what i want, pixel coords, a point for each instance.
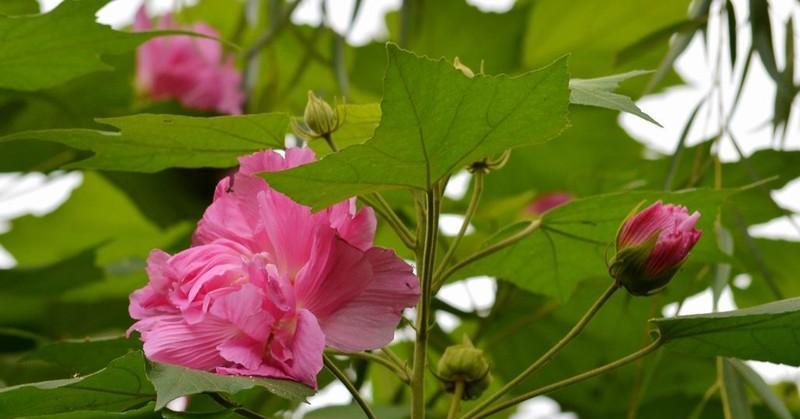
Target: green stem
{"type": "Point", "coordinates": [565, 383]}
{"type": "Point", "coordinates": [471, 209]}
{"type": "Point", "coordinates": [698, 410]}
{"type": "Point", "coordinates": [331, 144]}
{"type": "Point", "coordinates": [379, 204]}
{"type": "Point", "coordinates": [347, 383]}
{"type": "Point", "coordinates": [239, 410]}
{"type": "Point", "coordinates": [425, 269]}
{"type": "Point", "coordinates": [395, 359]}
{"type": "Point", "coordinates": [539, 363]}
{"type": "Point", "coordinates": [400, 371]}
{"type": "Point", "coordinates": [533, 226]}
{"type": "Point", "coordinates": [455, 403]}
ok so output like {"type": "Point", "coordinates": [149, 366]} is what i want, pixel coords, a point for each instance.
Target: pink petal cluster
{"type": "Point", "coordinates": [190, 69]}
{"type": "Point", "coordinates": [267, 284]}
{"type": "Point", "coordinates": [546, 202]}
{"type": "Point", "coordinates": [673, 229]}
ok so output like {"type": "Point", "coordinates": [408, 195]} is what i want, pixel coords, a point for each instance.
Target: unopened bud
{"type": "Point", "coordinates": [464, 363]}
{"type": "Point", "coordinates": [320, 119]}
{"type": "Point", "coordinates": [651, 247]}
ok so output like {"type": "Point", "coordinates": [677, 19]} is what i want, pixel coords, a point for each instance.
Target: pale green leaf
{"type": "Point", "coordinates": [600, 92]}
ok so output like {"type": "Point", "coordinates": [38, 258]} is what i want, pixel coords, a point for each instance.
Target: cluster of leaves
{"type": "Point", "coordinates": [148, 169]}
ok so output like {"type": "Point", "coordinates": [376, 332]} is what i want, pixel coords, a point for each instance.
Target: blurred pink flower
{"type": "Point", "coordinates": [268, 284]}
{"type": "Point", "coordinates": [652, 245]}
{"type": "Point", "coordinates": [190, 69]}
{"type": "Point", "coordinates": [545, 202]}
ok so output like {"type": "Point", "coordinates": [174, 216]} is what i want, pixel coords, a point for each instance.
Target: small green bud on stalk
{"type": "Point", "coordinates": [320, 120]}
{"type": "Point", "coordinates": [464, 363]}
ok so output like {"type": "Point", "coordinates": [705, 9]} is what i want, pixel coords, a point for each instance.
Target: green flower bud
{"type": "Point", "coordinates": [319, 119]}
{"type": "Point", "coordinates": [467, 364]}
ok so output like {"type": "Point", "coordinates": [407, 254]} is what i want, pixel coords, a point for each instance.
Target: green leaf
{"type": "Point", "coordinates": [573, 241]}
{"type": "Point", "coordinates": [18, 7]}
{"type": "Point", "coordinates": [765, 333]}
{"type": "Point", "coordinates": [600, 92]}
{"type": "Point", "coordinates": [352, 411]}
{"type": "Point", "coordinates": [40, 51]}
{"type": "Point", "coordinates": [83, 356]}
{"type": "Point", "coordinates": [734, 397]}
{"type": "Point", "coordinates": [761, 388]}
{"type": "Point", "coordinates": [761, 32]}
{"type": "Point", "coordinates": [434, 121]}
{"type": "Point", "coordinates": [149, 143]}
{"type": "Point", "coordinates": [120, 386]}
{"type": "Point", "coordinates": [172, 381]}
{"type": "Point", "coordinates": [96, 214]}
{"type": "Point", "coordinates": [144, 412]}
{"type": "Point", "coordinates": [359, 125]}
{"type": "Point", "coordinates": [54, 279]}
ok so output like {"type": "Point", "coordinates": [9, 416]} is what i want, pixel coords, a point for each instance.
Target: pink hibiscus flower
{"type": "Point", "coordinates": [190, 69]}
{"type": "Point", "coordinates": [268, 284]}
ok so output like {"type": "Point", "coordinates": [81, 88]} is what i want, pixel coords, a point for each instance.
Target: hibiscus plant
{"type": "Point", "coordinates": [446, 220]}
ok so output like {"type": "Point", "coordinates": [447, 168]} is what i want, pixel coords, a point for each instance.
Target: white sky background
{"type": "Point", "coordinates": [39, 194]}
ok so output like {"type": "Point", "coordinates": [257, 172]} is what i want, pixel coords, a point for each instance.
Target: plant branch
{"type": "Point", "coordinates": [530, 228]}
{"type": "Point", "coordinates": [455, 403]}
{"type": "Point", "coordinates": [425, 268]}
{"type": "Point", "coordinates": [239, 410]}
{"type": "Point", "coordinates": [566, 382]}
{"type": "Point", "coordinates": [347, 383]}
{"type": "Point", "coordinates": [477, 191]}
{"type": "Point", "coordinates": [379, 204]}
{"type": "Point", "coordinates": [399, 370]}
{"type": "Point", "coordinates": [542, 361]}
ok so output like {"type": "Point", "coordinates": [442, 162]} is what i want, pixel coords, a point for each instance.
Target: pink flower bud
{"type": "Point", "coordinates": [546, 202]}
{"type": "Point", "coordinates": [652, 245]}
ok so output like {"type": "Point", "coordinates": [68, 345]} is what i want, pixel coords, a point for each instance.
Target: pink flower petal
{"type": "Point", "coordinates": [368, 321]}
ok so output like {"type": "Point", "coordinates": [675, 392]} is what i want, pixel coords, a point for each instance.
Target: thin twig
{"type": "Point", "coordinates": [567, 382]}
{"type": "Point", "coordinates": [542, 361]}
{"type": "Point", "coordinates": [239, 410]}
{"type": "Point", "coordinates": [340, 375]}
{"type": "Point", "coordinates": [477, 191]}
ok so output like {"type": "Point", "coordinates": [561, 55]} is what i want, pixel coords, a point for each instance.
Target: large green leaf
{"type": "Point", "coordinates": [767, 332]}
{"type": "Point", "coordinates": [118, 387]}
{"type": "Point", "coordinates": [18, 7]}
{"type": "Point", "coordinates": [434, 121]}
{"type": "Point", "coordinates": [172, 381]}
{"type": "Point", "coordinates": [144, 412]}
{"type": "Point", "coordinates": [574, 241]}
{"type": "Point", "coordinates": [149, 143]}
{"type": "Point", "coordinates": [83, 356]}
{"type": "Point", "coordinates": [40, 51]}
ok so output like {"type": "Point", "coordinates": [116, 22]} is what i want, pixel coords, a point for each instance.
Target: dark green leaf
{"type": "Point", "coordinates": [83, 356]}
{"type": "Point", "coordinates": [761, 32]}
{"type": "Point", "coordinates": [54, 279]}
{"type": "Point", "coordinates": [765, 333]}
{"type": "Point", "coordinates": [149, 143]}
{"type": "Point", "coordinates": [144, 412]}
{"type": "Point", "coordinates": [118, 387]}
{"type": "Point", "coordinates": [172, 381]}
{"type": "Point", "coordinates": [18, 7]}
{"type": "Point", "coordinates": [434, 121]}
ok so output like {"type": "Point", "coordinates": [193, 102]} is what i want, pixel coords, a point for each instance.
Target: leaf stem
{"type": "Point", "coordinates": [542, 361]}
{"type": "Point", "coordinates": [240, 410]}
{"type": "Point", "coordinates": [455, 403]}
{"type": "Point", "coordinates": [477, 191]}
{"type": "Point", "coordinates": [530, 228]}
{"type": "Point", "coordinates": [567, 382]}
{"type": "Point", "coordinates": [379, 204]}
{"type": "Point", "coordinates": [340, 375]}
{"type": "Point", "coordinates": [399, 370]}
{"type": "Point", "coordinates": [425, 266]}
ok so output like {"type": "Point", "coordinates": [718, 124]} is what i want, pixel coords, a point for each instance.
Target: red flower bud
{"type": "Point", "coordinates": [546, 202]}
{"type": "Point", "coordinates": [652, 245]}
